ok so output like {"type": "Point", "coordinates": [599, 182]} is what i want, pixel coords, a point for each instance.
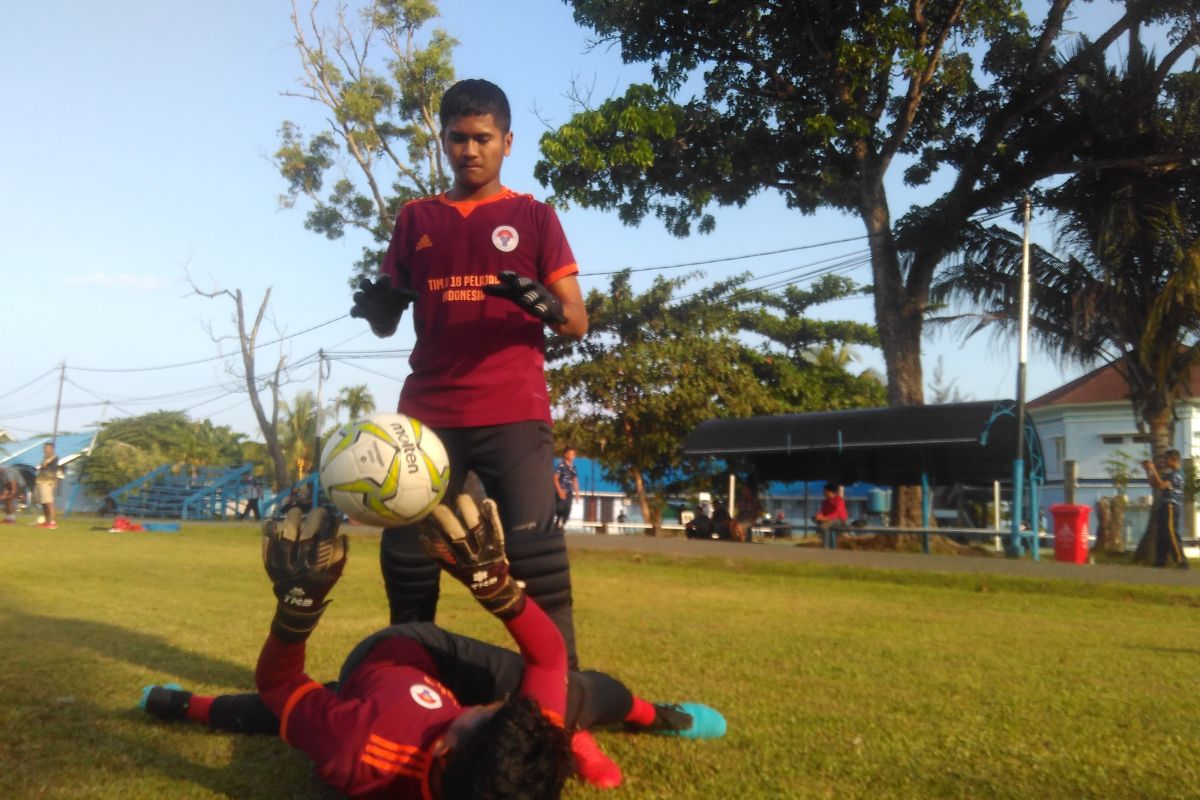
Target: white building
{"type": "Point", "coordinates": [1090, 422]}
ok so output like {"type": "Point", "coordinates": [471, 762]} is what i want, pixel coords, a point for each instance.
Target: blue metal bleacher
{"type": "Point", "coordinates": [183, 492]}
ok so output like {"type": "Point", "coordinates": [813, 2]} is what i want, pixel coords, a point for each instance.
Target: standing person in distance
{"type": "Point", "coordinates": [46, 485]}
{"type": "Point", "coordinates": [1168, 510]}
{"type": "Point", "coordinates": [253, 495]}
{"type": "Point", "coordinates": [566, 486]}
{"type": "Point", "coordinates": [486, 270]}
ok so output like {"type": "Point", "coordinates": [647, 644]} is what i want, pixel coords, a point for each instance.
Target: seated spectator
{"type": "Point", "coordinates": [832, 516]}
{"type": "Point", "coordinates": [722, 523]}
{"type": "Point", "coordinates": [700, 527]}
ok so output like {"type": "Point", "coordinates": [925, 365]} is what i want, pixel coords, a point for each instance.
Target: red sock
{"type": "Point", "coordinates": [642, 713]}
{"type": "Point", "coordinates": [198, 707]}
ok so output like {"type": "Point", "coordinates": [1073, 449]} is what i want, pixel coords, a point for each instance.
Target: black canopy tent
{"type": "Point", "coordinates": [934, 445]}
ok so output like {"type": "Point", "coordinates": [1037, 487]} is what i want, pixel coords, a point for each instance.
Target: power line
{"type": "Point", "coordinates": [27, 385]}
{"type": "Point", "coordinates": [982, 216]}
{"type": "Point", "coordinates": [211, 358]}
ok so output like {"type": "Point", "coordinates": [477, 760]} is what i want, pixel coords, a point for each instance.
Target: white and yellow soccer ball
{"type": "Point", "coordinates": [388, 470]}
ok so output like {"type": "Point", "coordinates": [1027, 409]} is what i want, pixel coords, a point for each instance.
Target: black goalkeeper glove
{"type": "Point", "coordinates": [381, 304]}
{"type": "Point", "coordinates": [304, 557]}
{"type": "Point", "coordinates": [529, 295]}
{"type": "Point", "coordinates": [474, 554]}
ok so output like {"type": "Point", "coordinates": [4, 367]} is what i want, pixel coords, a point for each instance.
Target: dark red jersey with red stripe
{"type": "Point", "coordinates": [478, 359]}
{"type": "Point", "coordinates": [374, 736]}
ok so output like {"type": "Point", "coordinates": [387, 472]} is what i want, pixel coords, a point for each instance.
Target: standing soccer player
{"type": "Point", "coordinates": [566, 486]}
{"type": "Point", "coordinates": [46, 485]}
{"type": "Point", "coordinates": [486, 269]}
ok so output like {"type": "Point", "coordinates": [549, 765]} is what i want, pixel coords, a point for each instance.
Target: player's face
{"type": "Point", "coordinates": [475, 148]}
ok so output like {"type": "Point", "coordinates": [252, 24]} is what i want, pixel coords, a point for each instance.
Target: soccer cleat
{"type": "Point", "coordinates": [689, 720]}
{"type": "Point", "coordinates": [592, 765]}
{"type": "Point", "coordinates": [48, 525]}
{"type": "Point", "coordinates": [167, 702]}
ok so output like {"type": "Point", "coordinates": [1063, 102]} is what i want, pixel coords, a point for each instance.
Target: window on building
{"type": "Point", "coordinates": [1111, 439]}
{"type": "Point", "coordinates": [1140, 438]}
{"type": "Point", "coordinates": [1060, 453]}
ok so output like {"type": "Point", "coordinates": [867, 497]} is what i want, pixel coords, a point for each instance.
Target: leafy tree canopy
{"type": "Point", "coordinates": [816, 100]}
{"type": "Point", "coordinates": [655, 364]}
{"type": "Point", "coordinates": [128, 448]}
{"type": "Point", "coordinates": [381, 89]}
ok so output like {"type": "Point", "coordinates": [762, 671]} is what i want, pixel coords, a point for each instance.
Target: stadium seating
{"type": "Point", "coordinates": [184, 492]}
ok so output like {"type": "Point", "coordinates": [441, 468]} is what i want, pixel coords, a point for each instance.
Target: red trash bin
{"type": "Point", "coordinates": [1070, 533]}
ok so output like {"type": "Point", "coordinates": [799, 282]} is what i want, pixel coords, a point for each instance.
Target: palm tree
{"type": "Point", "coordinates": [298, 431]}
{"type": "Point", "coordinates": [1127, 290]}
{"type": "Point", "coordinates": [356, 400]}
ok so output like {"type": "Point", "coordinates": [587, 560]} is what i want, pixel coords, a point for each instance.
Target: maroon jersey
{"type": "Point", "coordinates": [373, 737]}
{"type": "Point", "coordinates": [478, 360]}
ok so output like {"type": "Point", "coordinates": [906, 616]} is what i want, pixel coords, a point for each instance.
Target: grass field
{"type": "Point", "coordinates": [837, 683]}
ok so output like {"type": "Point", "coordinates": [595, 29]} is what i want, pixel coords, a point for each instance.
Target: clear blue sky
{"type": "Point", "coordinates": [135, 147]}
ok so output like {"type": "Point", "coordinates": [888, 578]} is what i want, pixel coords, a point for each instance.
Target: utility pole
{"type": "Point", "coordinates": [62, 378]}
{"type": "Point", "coordinates": [1016, 546]}
{"type": "Point", "coordinates": [320, 386]}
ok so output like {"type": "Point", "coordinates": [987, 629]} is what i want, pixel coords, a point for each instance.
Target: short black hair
{"type": "Point", "coordinates": [1172, 453]}
{"type": "Point", "coordinates": [519, 752]}
{"type": "Point", "coordinates": [475, 97]}
{"type": "Point", "coordinates": [832, 487]}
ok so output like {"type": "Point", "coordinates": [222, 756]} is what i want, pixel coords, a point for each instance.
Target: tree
{"type": "Point", "coordinates": [653, 365]}
{"type": "Point", "coordinates": [357, 401]}
{"type": "Point", "coordinates": [247, 345]}
{"type": "Point", "coordinates": [128, 448]}
{"type": "Point", "coordinates": [382, 118]}
{"type": "Point", "coordinates": [817, 100]}
{"type": "Point", "coordinates": [1128, 289]}
{"type": "Point", "coordinates": [298, 432]}
{"type": "Point", "coordinates": [942, 391]}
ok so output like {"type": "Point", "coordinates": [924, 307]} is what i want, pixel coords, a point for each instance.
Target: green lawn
{"type": "Point", "coordinates": [837, 683]}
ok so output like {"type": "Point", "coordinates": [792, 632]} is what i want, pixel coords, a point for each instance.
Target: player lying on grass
{"type": "Point", "coordinates": [417, 711]}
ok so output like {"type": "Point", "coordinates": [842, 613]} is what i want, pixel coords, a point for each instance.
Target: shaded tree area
{"type": "Point", "coordinates": [817, 101]}
{"type": "Point", "coordinates": [128, 448]}
{"type": "Point", "coordinates": [381, 90]}
{"type": "Point", "coordinates": [1127, 288]}
{"type": "Point", "coordinates": [654, 364]}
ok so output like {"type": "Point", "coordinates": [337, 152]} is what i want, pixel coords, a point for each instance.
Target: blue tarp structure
{"type": "Point", "coordinates": [26, 455]}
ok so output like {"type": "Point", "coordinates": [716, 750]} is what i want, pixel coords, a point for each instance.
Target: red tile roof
{"type": "Point", "coordinates": [1102, 385]}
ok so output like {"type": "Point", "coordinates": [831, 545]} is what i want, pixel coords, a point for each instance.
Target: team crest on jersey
{"type": "Point", "coordinates": [425, 696]}
{"type": "Point", "coordinates": [505, 238]}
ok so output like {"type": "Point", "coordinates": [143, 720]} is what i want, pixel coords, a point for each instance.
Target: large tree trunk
{"type": "Point", "coordinates": [899, 316]}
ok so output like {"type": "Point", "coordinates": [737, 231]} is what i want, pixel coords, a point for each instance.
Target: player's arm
{"type": "Point", "coordinates": [472, 550]}
{"type": "Point", "coordinates": [573, 310]}
{"type": "Point", "coordinates": [1155, 480]}
{"type": "Point", "coordinates": [303, 557]}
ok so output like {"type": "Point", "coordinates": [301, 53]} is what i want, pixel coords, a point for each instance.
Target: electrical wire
{"type": "Point", "coordinates": [211, 358]}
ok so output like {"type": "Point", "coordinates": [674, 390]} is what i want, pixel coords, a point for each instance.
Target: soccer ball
{"type": "Point", "coordinates": [388, 470]}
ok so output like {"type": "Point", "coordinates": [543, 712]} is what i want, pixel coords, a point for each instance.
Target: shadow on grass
{"type": "Point", "coordinates": [156, 654]}
{"type": "Point", "coordinates": [51, 697]}
{"type": "Point", "coordinates": [1175, 651]}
